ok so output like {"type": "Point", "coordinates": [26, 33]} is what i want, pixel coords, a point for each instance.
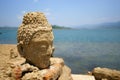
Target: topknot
{"type": "Point", "coordinates": [34, 18]}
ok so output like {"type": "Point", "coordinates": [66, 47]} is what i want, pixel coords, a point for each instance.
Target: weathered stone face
{"type": "Point", "coordinates": [35, 39]}
{"type": "Point", "coordinates": [39, 50]}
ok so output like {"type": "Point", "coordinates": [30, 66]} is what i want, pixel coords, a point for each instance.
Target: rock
{"type": "Point", "coordinates": [16, 72]}
{"type": "Point", "coordinates": [53, 73]}
{"type": "Point", "coordinates": [32, 76]}
{"type": "Point", "coordinates": [16, 61]}
{"type": "Point", "coordinates": [66, 74]}
{"type": "Point", "coordinates": [13, 54]}
{"type": "Point", "coordinates": [106, 74]}
{"type": "Point", "coordinates": [55, 60]}
{"type": "Point", "coordinates": [28, 68]}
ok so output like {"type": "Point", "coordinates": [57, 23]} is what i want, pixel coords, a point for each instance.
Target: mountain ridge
{"type": "Point", "coordinates": [107, 25]}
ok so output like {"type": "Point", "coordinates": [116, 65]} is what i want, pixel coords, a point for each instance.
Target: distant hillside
{"type": "Point", "coordinates": [110, 25]}
{"type": "Point", "coordinates": [8, 27]}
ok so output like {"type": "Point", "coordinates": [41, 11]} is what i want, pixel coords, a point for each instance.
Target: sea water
{"type": "Point", "coordinates": [81, 49]}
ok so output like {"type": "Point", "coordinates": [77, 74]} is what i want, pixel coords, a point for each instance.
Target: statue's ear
{"type": "Point", "coordinates": [20, 48]}
{"type": "Point", "coordinates": [53, 49]}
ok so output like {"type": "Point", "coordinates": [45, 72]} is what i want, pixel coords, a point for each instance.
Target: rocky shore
{"type": "Point", "coordinates": [98, 73]}
{"type": "Point", "coordinates": [5, 57]}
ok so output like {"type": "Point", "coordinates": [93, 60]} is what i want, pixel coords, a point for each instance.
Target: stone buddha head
{"type": "Point", "coordinates": [35, 39]}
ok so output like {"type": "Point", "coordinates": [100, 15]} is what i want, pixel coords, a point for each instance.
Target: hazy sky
{"type": "Point", "coordinates": [61, 12]}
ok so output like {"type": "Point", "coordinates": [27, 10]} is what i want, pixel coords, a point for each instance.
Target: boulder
{"type": "Point", "coordinates": [106, 74]}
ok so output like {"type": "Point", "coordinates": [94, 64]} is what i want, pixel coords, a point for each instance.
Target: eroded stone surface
{"type": "Point", "coordinates": [26, 71]}
{"type": "Point", "coordinates": [35, 39]}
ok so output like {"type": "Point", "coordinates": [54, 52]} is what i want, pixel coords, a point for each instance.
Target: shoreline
{"type": "Point", "coordinates": [96, 72]}
{"type": "Point", "coordinates": [5, 56]}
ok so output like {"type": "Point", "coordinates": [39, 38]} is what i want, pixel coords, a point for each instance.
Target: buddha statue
{"type": "Point", "coordinates": [35, 46]}
{"type": "Point", "coordinates": [35, 40]}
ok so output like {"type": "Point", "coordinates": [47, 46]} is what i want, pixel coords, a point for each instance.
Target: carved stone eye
{"type": "Point", "coordinates": [43, 45]}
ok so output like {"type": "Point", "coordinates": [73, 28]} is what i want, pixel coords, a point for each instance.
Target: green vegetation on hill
{"type": "Point", "coordinates": [59, 27]}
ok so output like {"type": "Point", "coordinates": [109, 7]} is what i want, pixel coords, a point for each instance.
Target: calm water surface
{"type": "Point", "coordinates": [82, 49]}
